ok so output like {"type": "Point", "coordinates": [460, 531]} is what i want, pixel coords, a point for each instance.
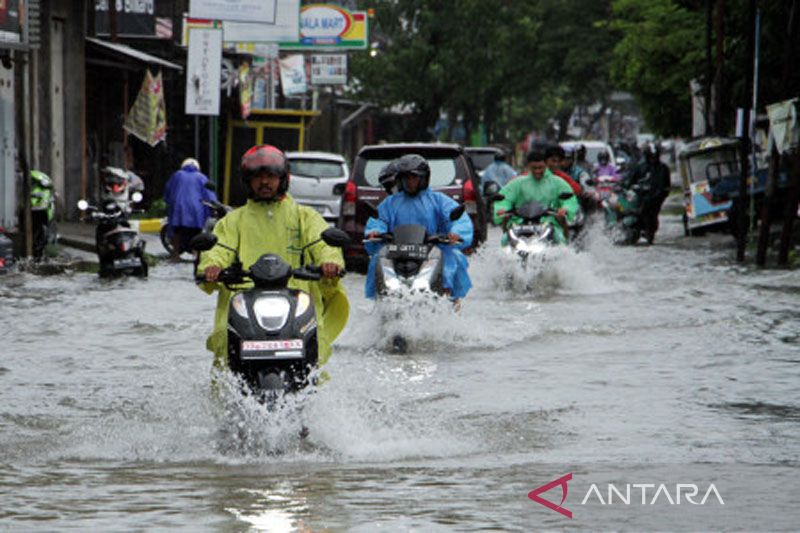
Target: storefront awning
{"type": "Point", "coordinates": [121, 52]}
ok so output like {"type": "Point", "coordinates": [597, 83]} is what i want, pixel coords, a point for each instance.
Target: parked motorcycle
{"type": "Point", "coordinates": [43, 203]}
{"type": "Point", "coordinates": [120, 249]}
{"type": "Point", "coordinates": [272, 330]}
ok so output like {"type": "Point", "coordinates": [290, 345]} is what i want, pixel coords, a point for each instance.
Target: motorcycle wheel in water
{"type": "Point", "coordinates": [410, 263]}
{"type": "Point", "coordinates": [272, 330]}
{"type": "Point", "coordinates": [120, 249]}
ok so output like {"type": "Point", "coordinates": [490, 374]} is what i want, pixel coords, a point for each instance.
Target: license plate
{"type": "Point", "coordinates": [410, 251]}
{"type": "Point", "coordinates": [272, 346]}
{"type": "Point", "coordinates": [127, 263]}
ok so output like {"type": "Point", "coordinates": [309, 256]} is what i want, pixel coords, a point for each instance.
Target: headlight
{"type": "Point", "coordinates": [303, 303]}
{"type": "Point", "coordinates": [272, 312]}
{"type": "Point", "coordinates": [240, 306]}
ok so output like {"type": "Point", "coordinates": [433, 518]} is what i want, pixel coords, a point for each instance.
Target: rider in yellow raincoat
{"type": "Point", "coordinates": [272, 222]}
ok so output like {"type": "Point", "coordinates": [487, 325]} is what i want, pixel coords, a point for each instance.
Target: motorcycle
{"type": "Point", "coordinates": [410, 261]}
{"type": "Point", "coordinates": [120, 249]}
{"type": "Point", "coordinates": [42, 212]}
{"type": "Point", "coordinates": [531, 236]}
{"type": "Point", "coordinates": [6, 252]}
{"type": "Point", "coordinates": [272, 330]}
{"type": "Point", "coordinates": [623, 213]}
{"type": "Point", "coordinates": [218, 211]}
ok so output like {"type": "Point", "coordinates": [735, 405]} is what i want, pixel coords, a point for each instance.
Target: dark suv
{"type": "Point", "coordinates": [451, 174]}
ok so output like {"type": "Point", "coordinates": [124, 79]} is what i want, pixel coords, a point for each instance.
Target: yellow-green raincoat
{"type": "Point", "coordinates": [281, 228]}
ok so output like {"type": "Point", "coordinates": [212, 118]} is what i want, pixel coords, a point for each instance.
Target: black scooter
{"type": "Point", "coordinates": [272, 330]}
{"type": "Point", "coordinates": [120, 249]}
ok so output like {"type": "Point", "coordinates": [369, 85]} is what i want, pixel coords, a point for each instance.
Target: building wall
{"type": "Point", "coordinates": [72, 13]}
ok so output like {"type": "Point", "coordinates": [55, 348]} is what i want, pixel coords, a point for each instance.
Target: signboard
{"type": "Point", "coordinates": [329, 69]}
{"type": "Point", "coordinates": [263, 11]}
{"type": "Point", "coordinates": [134, 19]}
{"type": "Point", "coordinates": [10, 22]}
{"type": "Point", "coordinates": [147, 119]}
{"type": "Point", "coordinates": [293, 75]}
{"type": "Point", "coordinates": [203, 71]}
{"type": "Point", "coordinates": [245, 89]}
{"type": "Point", "coordinates": [327, 26]}
{"type": "Point", "coordinates": [285, 28]}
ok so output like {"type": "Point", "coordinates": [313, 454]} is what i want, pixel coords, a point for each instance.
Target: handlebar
{"type": "Point", "coordinates": [438, 238]}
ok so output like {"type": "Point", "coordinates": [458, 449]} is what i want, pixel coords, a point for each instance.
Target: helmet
{"type": "Point", "coordinates": [386, 177]}
{"type": "Point", "coordinates": [41, 179]}
{"type": "Point", "coordinates": [651, 151]}
{"type": "Point", "coordinates": [413, 164]}
{"type": "Point", "coordinates": [115, 180]}
{"type": "Point", "coordinates": [580, 151]}
{"type": "Point", "coordinates": [603, 157]}
{"type": "Point", "coordinates": [265, 158]}
{"type": "Point", "coordinates": [191, 161]}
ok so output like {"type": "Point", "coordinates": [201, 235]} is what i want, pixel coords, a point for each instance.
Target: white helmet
{"type": "Point", "coordinates": [191, 161]}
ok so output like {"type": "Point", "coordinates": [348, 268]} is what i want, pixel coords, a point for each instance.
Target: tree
{"type": "Point", "coordinates": [660, 50]}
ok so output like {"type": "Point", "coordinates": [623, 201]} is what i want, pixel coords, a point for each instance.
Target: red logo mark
{"type": "Point", "coordinates": [534, 495]}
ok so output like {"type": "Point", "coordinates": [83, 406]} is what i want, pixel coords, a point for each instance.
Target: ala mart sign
{"type": "Point", "coordinates": [327, 26]}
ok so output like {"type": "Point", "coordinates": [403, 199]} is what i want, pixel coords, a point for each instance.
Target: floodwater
{"type": "Point", "coordinates": [642, 365]}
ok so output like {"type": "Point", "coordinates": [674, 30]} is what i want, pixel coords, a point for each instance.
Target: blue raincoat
{"type": "Point", "coordinates": [432, 210]}
{"type": "Point", "coordinates": [184, 193]}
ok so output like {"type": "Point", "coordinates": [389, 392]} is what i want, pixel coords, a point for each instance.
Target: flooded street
{"type": "Point", "coordinates": [661, 365]}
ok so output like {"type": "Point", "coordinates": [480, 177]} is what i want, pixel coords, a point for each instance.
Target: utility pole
{"type": "Point", "coordinates": [744, 153]}
{"type": "Point", "coordinates": [709, 93]}
{"type": "Point", "coordinates": [790, 208]}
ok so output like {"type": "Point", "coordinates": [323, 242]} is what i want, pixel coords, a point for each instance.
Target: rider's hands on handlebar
{"type": "Point", "coordinates": [561, 214]}
{"type": "Point", "coordinates": [453, 238]}
{"type": "Point", "coordinates": [373, 235]}
{"type": "Point", "coordinates": [212, 273]}
{"type": "Point", "coordinates": [329, 270]}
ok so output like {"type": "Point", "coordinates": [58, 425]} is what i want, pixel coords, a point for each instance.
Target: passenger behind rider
{"type": "Point", "coordinates": [579, 174]}
{"type": "Point", "coordinates": [540, 185]}
{"type": "Point", "coordinates": [415, 203]}
{"type": "Point", "coordinates": [554, 155]}
{"type": "Point", "coordinates": [272, 222]}
{"type": "Point", "coordinates": [498, 171]}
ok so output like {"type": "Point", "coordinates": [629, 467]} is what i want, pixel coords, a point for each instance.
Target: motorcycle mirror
{"type": "Point", "coordinates": [565, 195]}
{"type": "Point", "coordinates": [335, 237]}
{"type": "Point", "coordinates": [203, 242]}
{"type": "Point", "coordinates": [372, 208]}
{"type": "Point", "coordinates": [136, 197]}
{"type": "Point", "coordinates": [83, 205]}
{"type": "Point", "coordinates": [456, 213]}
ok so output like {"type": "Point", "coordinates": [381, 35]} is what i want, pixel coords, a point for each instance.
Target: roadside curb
{"type": "Point", "coordinates": [147, 225]}
{"type": "Point", "coordinates": [80, 244]}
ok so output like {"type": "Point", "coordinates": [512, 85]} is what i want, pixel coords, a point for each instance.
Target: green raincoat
{"type": "Point", "coordinates": [282, 228]}
{"type": "Point", "coordinates": [526, 188]}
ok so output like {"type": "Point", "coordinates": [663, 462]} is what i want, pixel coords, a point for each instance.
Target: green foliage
{"type": "Point", "coordinates": [660, 50]}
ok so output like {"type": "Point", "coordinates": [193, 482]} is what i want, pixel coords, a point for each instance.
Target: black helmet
{"type": "Point", "coordinates": [413, 164]}
{"type": "Point", "coordinates": [265, 158]}
{"type": "Point", "coordinates": [386, 177]}
{"type": "Point", "coordinates": [603, 158]}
